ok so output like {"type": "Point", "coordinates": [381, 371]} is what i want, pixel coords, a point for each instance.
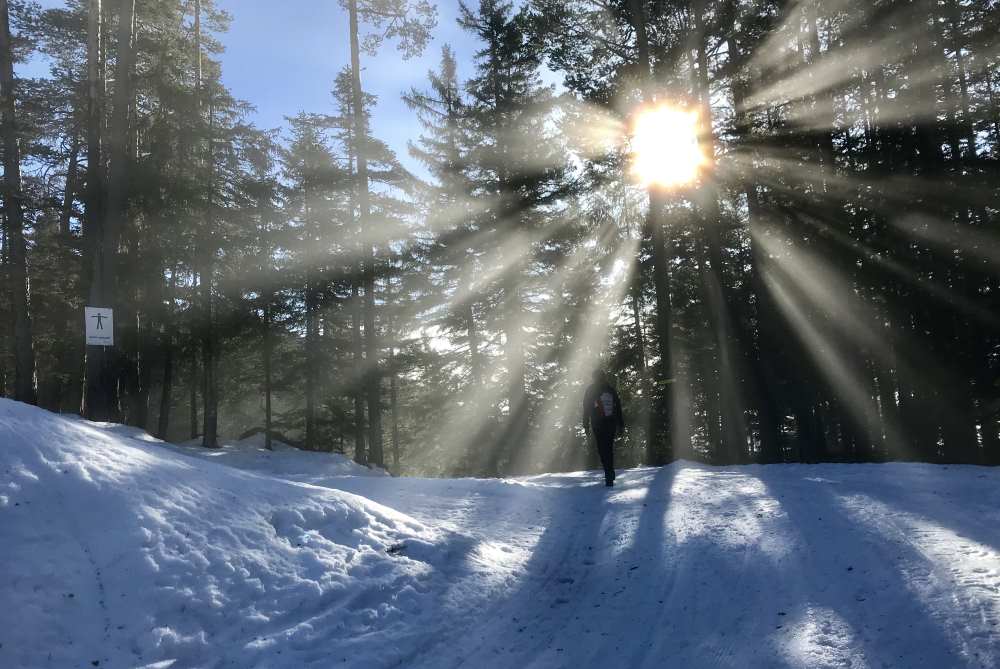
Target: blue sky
{"type": "Point", "coordinates": [283, 56]}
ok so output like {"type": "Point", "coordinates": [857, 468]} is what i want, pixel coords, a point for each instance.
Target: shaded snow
{"type": "Point", "coordinates": [282, 460]}
{"type": "Point", "coordinates": [188, 562]}
{"type": "Point", "coordinates": [120, 551]}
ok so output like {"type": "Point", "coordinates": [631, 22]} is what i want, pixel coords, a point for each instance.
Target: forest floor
{"type": "Point", "coordinates": [117, 550]}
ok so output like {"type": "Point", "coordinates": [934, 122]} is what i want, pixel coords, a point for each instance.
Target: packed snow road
{"type": "Point", "coordinates": [690, 566]}
{"type": "Point", "coordinates": [127, 552]}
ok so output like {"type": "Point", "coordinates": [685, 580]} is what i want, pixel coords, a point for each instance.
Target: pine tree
{"type": "Point", "coordinates": [516, 171]}
{"type": "Point", "coordinates": [410, 25]}
{"type": "Point", "coordinates": [13, 200]}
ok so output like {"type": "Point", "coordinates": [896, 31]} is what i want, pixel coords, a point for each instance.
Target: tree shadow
{"type": "Point", "coordinates": [529, 620]}
{"type": "Point", "coordinates": [933, 493]}
{"type": "Point", "coordinates": [694, 566]}
{"type": "Point", "coordinates": [859, 576]}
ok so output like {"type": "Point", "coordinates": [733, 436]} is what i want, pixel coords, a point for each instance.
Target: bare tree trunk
{"type": "Point", "coordinates": [145, 347]}
{"type": "Point", "coordinates": [994, 105]}
{"type": "Point", "coordinates": [968, 127]}
{"type": "Point", "coordinates": [729, 372]}
{"type": "Point", "coordinates": [69, 193]}
{"type": "Point", "coordinates": [193, 396]}
{"type": "Point", "coordinates": [372, 372]}
{"type": "Point", "coordinates": [120, 163]}
{"type": "Point", "coordinates": [517, 398]}
{"type": "Point", "coordinates": [312, 361]}
{"type": "Point", "coordinates": [475, 356]}
{"type": "Point", "coordinates": [166, 390]}
{"type": "Point", "coordinates": [646, 409]}
{"type": "Point", "coordinates": [209, 344]}
{"type": "Point", "coordinates": [103, 290]}
{"type": "Point", "coordinates": [24, 353]}
{"type": "Point", "coordinates": [824, 100]}
{"type": "Point", "coordinates": [194, 381]}
{"type": "Point", "coordinates": [96, 400]}
{"type": "Point", "coordinates": [167, 385]}
{"type": "Point", "coordinates": [659, 443]}
{"type": "Point", "coordinates": [267, 354]}
{"type": "Point", "coordinates": [394, 408]}
{"type": "Point", "coordinates": [360, 454]}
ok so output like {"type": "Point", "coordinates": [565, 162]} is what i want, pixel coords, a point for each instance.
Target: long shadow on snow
{"type": "Point", "coordinates": [931, 492]}
{"type": "Point", "coordinates": [530, 618]}
{"type": "Point", "coordinates": [580, 601]}
{"type": "Point", "coordinates": [709, 603]}
{"type": "Point", "coordinates": [848, 572]}
{"type": "Point", "coordinates": [686, 623]}
{"type": "Point", "coordinates": [649, 569]}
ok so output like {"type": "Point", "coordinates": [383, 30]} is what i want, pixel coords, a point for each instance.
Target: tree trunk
{"type": "Point", "coordinates": [209, 343]}
{"type": "Point", "coordinates": [968, 128]}
{"type": "Point", "coordinates": [267, 354]}
{"type": "Point", "coordinates": [659, 443]}
{"type": "Point", "coordinates": [729, 374]}
{"type": "Point", "coordinates": [193, 395]}
{"type": "Point", "coordinates": [106, 365]}
{"type": "Point", "coordinates": [312, 360]}
{"type": "Point", "coordinates": [115, 215]}
{"type": "Point", "coordinates": [372, 372]}
{"type": "Point", "coordinates": [517, 399]}
{"type": "Point", "coordinates": [24, 354]}
{"type": "Point", "coordinates": [169, 342]}
{"type": "Point", "coordinates": [69, 193]}
{"type": "Point", "coordinates": [645, 411]}
{"type": "Point", "coordinates": [360, 454]}
{"type": "Point", "coordinates": [96, 400]}
{"type": "Point", "coordinates": [475, 356]}
{"type": "Point", "coordinates": [394, 408]}
{"type": "Point", "coordinates": [146, 348]}
{"type": "Point", "coordinates": [824, 100]}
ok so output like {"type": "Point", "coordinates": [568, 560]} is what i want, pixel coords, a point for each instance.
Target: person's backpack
{"type": "Point", "coordinates": [604, 405]}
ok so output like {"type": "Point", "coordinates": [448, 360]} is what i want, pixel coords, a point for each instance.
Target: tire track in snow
{"type": "Point", "coordinates": [551, 566]}
{"type": "Point", "coordinates": [716, 568]}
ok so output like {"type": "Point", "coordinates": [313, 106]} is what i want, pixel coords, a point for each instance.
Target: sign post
{"type": "Point", "coordinates": [100, 326]}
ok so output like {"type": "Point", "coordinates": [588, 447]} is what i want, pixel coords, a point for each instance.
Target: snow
{"type": "Point", "coordinates": [282, 460]}
{"type": "Point", "coordinates": [118, 549]}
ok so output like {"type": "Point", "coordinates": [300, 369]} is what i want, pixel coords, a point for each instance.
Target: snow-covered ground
{"type": "Point", "coordinates": [119, 551]}
{"type": "Point", "coordinates": [282, 460]}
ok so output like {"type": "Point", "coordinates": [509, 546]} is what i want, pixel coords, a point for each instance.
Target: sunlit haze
{"type": "Point", "coordinates": [483, 333]}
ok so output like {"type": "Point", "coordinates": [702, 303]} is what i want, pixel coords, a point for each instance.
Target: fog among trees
{"type": "Point", "coordinates": [823, 286]}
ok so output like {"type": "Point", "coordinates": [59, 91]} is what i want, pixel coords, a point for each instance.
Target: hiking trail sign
{"type": "Point", "coordinates": [100, 326]}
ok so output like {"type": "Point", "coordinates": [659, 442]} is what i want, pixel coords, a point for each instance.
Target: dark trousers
{"type": "Point", "coordinates": [605, 438]}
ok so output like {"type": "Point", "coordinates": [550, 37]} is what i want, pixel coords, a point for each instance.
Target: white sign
{"type": "Point", "coordinates": [100, 326]}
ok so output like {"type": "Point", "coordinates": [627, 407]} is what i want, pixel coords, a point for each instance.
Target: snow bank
{"type": "Point", "coordinates": [282, 460]}
{"type": "Point", "coordinates": [119, 552]}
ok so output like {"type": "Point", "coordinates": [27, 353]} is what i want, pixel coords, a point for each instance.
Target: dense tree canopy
{"type": "Point", "coordinates": [827, 289]}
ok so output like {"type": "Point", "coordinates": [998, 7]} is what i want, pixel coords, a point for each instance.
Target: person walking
{"type": "Point", "coordinates": [602, 414]}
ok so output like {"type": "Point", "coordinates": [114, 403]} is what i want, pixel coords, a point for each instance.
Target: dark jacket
{"type": "Point", "coordinates": [595, 408]}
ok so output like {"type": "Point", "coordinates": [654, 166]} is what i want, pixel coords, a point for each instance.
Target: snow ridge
{"type": "Point", "coordinates": [119, 550]}
{"type": "Point", "coordinates": [122, 552]}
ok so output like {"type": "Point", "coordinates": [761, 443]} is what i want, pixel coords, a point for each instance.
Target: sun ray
{"type": "Point", "coordinates": [588, 332]}
{"type": "Point", "coordinates": [465, 427]}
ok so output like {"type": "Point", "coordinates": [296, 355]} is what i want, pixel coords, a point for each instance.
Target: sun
{"type": "Point", "coordinates": [665, 147]}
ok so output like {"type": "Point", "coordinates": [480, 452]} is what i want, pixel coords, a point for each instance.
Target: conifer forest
{"type": "Point", "coordinates": [775, 224]}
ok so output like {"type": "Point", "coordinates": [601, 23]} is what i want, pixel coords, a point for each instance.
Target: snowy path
{"type": "Point", "coordinates": [788, 566]}
{"type": "Point", "coordinates": [118, 550]}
